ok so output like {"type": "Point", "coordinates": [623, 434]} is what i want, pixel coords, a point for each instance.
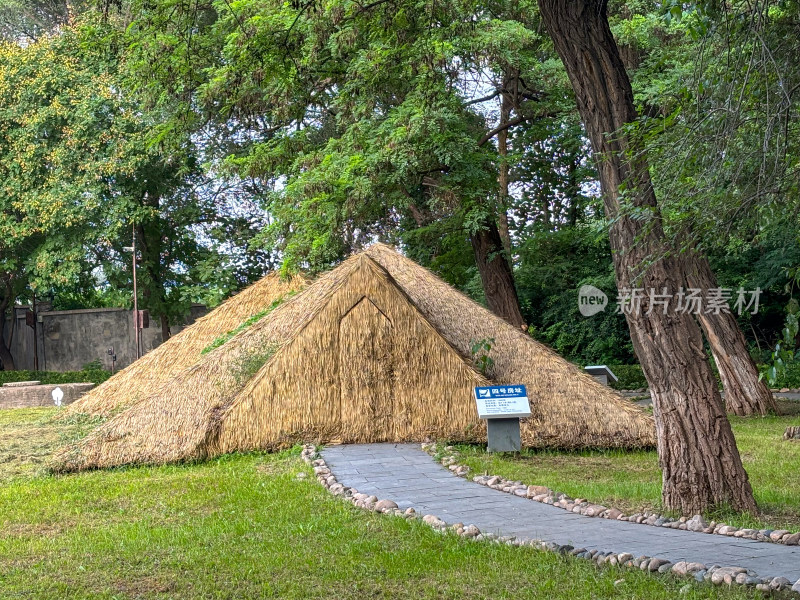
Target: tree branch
{"type": "Point", "coordinates": [499, 128]}
{"type": "Point", "coordinates": [491, 96]}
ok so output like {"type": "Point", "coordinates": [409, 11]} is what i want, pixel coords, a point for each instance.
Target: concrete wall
{"type": "Point", "coordinates": [69, 339]}
{"type": "Point", "coordinates": [30, 396]}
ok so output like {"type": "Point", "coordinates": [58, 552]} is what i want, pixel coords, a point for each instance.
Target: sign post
{"type": "Point", "coordinates": [502, 406]}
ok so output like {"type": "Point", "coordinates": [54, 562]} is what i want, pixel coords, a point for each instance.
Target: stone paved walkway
{"type": "Point", "coordinates": [410, 477]}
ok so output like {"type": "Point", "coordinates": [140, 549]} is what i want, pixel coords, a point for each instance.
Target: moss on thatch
{"type": "Point", "coordinates": [226, 337]}
{"type": "Point", "coordinates": [376, 350]}
{"type": "Point", "coordinates": [181, 351]}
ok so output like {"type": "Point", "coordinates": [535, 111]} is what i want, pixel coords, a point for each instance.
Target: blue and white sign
{"type": "Point", "coordinates": [502, 401]}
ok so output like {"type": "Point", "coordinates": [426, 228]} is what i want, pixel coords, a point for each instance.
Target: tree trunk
{"type": "Point", "coordinates": [165, 332]}
{"type": "Point", "coordinates": [573, 193]}
{"type": "Point", "coordinates": [153, 291]}
{"type": "Point", "coordinates": [496, 274]}
{"type": "Point", "coordinates": [700, 463]}
{"type": "Point", "coordinates": [5, 353]}
{"type": "Point", "coordinates": [502, 150]}
{"type": "Point", "coordinates": [745, 394]}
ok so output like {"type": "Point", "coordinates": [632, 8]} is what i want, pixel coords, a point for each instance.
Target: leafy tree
{"type": "Point", "coordinates": [552, 268]}
{"type": "Point", "coordinates": [27, 21]}
{"type": "Point", "coordinates": [687, 405]}
{"type": "Point", "coordinates": [53, 119]}
{"type": "Point", "coordinates": [365, 122]}
{"type": "Point", "coordinates": [79, 172]}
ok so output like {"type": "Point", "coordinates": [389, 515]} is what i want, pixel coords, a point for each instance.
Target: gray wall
{"type": "Point", "coordinates": [40, 395]}
{"type": "Point", "coordinates": [69, 339]}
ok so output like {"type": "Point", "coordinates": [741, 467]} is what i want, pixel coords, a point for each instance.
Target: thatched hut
{"type": "Point", "coordinates": [377, 349]}
{"type": "Point", "coordinates": [183, 349]}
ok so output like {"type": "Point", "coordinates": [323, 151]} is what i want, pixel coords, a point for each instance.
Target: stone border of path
{"type": "Point", "coordinates": [715, 574]}
{"type": "Point", "coordinates": [773, 390]}
{"type": "Point", "coordinates": [540, 493]}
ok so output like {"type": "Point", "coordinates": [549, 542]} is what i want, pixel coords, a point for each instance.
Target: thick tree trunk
{"type": "Point", "coordinates": [5, 353]}
{"type": "Point", "coordinates": [697, 452]}
{"type": "Point", "coordinates": [165, 332]}
{"type": "Point", "coordinates": [502, 150]}
{"type": "Point", "coordinates": [745, 394]}
{"type": "Point", "coordinates": [496, 274]}
{"type": "Point", "coordinates": [153, 292]}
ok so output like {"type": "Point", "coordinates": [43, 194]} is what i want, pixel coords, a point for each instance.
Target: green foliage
{"type": "Point", "coordinates": [629, 377]}
{"type": "Point", "coordinates": [552, 268]}
{"type": "Point", "coordinates": [25, 21]}
{"type": "Point", "coordinates": [79, 173]}
{"type": "Point", "coordinates": [358, 123]}
{"type": "Point", "coordinates": [785, 355]}
{"type": "Point", "coordinates": [720, 125]}
{"type": "Point", "coordinates": [480, 350]}
{"type": "Point", "coordinates": [787, 377]}
{"type": "Point", "coordinates": [56, 114]}
{"type": "Point", "coordinates": [94, 365]}
{"type": "Point", "coordinates": [93, 375]}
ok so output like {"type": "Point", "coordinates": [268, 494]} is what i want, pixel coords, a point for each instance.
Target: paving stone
{"type": "Point", "coordinates": [409, 477]}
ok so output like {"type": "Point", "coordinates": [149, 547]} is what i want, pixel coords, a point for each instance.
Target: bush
{"type": "Point", "coordinates": [96, 376]}
{"type": "Point", "coordinates": [789, 378]}
{"type": "Point", "coordinates": [630, 377]}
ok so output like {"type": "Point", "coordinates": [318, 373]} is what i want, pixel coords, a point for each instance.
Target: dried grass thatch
{"type": "Point", "coordinates": [570, 409]}
{"type": "Point", "coordinates": [182, 350]}
{"type": "Point", "coordinates": [376, 350]}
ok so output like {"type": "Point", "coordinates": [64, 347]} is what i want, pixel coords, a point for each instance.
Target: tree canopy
{"type": "Point", "coordinates": [236, 137]}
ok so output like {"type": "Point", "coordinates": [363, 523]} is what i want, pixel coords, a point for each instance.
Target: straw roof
{"type": "Point", "coordinates": [377, 349]}
{"type": "Point", "coordinates": [570, 409]}
{"type": "Point", "coordinates": [183, 349]}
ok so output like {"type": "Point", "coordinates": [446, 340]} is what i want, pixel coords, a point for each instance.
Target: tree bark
{"type": "Point", "coordinates": [165, 332]}
{"type": "Point", "coordinates": [150, 247]}
{"type": "Point", "coordinates": [745, 394]}
{"type": "Point", "coordinates": [700, 463]}
{"type": "Point", "coordinates": [6, 359]}
{"type": "Point", "coordinates": [496, 274]}
{"type": "Point", "coordinates": [502, 150]}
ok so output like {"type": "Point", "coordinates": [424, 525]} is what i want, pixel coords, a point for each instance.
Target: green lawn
{"type": "Point", "coordinates": [244, 526]}
{"type": "Point", "coordinates": [631, 481]}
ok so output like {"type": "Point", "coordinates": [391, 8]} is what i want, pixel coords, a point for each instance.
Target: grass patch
{"type": "Point", "coordinates": [631, 481]}
{"type": "Point", "coordinates": [243, 526]}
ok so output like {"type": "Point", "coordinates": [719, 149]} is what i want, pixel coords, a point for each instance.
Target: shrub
{"type": "Point", "coordinates": [96, 376]}
{"type": "Point", "coordinates": [630, 377]}
{"type": "Point", "coordinates": [789, 378]}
